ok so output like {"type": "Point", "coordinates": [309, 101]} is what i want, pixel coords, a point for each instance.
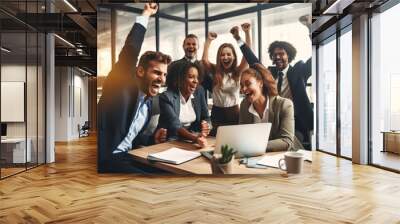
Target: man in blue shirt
{"type": "Point", "coordinates": [125, 106]}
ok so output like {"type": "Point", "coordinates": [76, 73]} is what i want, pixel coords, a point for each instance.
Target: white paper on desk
{"type": "Point", "coordinates": [174, 156]}
{"type": "Point", "coordinates": [271, 160]}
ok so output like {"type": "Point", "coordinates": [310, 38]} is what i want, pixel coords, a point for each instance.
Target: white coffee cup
{"type": "Point", "coordinates": [293, 162]}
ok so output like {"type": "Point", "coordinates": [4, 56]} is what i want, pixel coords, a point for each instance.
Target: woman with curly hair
{"type": "Point", "coordinates": [183, 108]}
{"type": "Point", "coordinates": [226, 75]}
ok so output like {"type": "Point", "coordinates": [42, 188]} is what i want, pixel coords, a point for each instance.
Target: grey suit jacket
{"type": "Point", "coordinates": [281, 116]}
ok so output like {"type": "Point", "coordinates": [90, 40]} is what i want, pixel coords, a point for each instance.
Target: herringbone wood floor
{"type": "Point", "coordinates": [71, 191]}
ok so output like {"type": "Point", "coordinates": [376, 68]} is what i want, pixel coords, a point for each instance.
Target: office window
{"type": "Point", "coordinates": [172, 34]}
{"type": "Point", "coordinates": [346, 93]}
{"type": "Point", "coordinates": [13, 84]}
{"type": "Point", "coordinates": [327, 96]}
{"type": "Point", "coordinates": [282, 23]}
{"type": "Point", "coordinates": [32, 97]}
{"type": "Point", "coordinates": [103, 41]}
{"type": "Point", "coordinates": [220, 8]}
{"type": "Point", "coordinates": [174, 9]}
{"type": "Point", "coordinates": [196, 11]}
{"type": "Point", "coordinates": [22, 95]}
{"type": "Point", "coordinates": [385, 84]}
{"type": "Point", "coordinates": [124, 23]}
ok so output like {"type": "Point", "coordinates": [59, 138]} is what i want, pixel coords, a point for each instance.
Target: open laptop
{"type": "Point", "coordinates": [247, 139]}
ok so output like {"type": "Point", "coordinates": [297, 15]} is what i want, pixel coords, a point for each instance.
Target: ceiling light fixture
{"type": "Point", "coordinates": [70, 5]}
{"type": "Point", "coordinates": [5, 50]}
{"type": "Point", "coordinates": [84, 71]}
{"type": "Point", "coordinates": [337, 7]}
{"type": "Point", "coordinates": [64, 40]}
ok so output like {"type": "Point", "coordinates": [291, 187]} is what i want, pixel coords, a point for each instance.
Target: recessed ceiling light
{"type": "Point", "coordinates": [70, 5]}
{"type": "Point", "coordinates": [5, 50]}
{"type": "Point", "coordinates": [64, 40]}
{"type": "Point", "coordinates": [84, 71]}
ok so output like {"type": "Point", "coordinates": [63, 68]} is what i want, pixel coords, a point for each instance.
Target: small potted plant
{"type": "Point", "coordinates": [224, 163]}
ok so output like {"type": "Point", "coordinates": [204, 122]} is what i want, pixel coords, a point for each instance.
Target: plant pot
{"type": "Point", "coordinates": [221, 168]}
{"type": "Point", "coordinates": [227, 168]}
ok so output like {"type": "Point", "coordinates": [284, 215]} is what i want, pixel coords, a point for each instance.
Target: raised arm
{"type": "Point", "coordinates": [248, 54]}
{"type": "Point", "coordinates": [206, 62]}
{"type": "Point", "coordinates": [130, 51]}
{"type": "Point", "coordinates": [246, 28]}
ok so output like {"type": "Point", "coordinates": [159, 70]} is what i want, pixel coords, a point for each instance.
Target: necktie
{"type": "Point", "coordinates": [280, 80]}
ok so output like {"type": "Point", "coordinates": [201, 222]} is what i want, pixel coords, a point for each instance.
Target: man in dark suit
{"type": "Point", "coordinates": [125, 105]}
{"type": "Point", "coordinates": [190, 47]}
{"type": "Point", "coordinates": [291, 82]}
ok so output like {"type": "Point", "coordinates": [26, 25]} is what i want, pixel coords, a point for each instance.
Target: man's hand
{"type": "Point", "coordinates": [205, 128]}
{"type": "Point", "coordinates": [246, 27]}
{"type": "Point", "coordinates": [150, 9]}
{"type": "Point", "coordinates": [235, 32]}
{"type": "Point", "coordinates": [211, 36]}
{"type": "Point", "coordinates": [160, 136]}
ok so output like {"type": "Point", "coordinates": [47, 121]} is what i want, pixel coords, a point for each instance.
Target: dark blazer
{"type": "Point", "coordinates": [118, 103]}
{"type": "Point", "coordinates": [297, 77]}
{"type": "Point", "coordinates": [280, 115]}
{"type": "Point", "coordinates": [173, 76]}
{"type": "Point", "coordinates": [170, 109]}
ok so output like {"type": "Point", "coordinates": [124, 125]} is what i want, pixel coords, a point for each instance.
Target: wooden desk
{"type": "Point", "coordinates": [199, 165]}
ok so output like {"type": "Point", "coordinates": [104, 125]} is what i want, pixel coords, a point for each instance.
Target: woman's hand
{"type": "Point", "coordinates": [160, 136]}
{"type": "Point", "coordinates": [235, 32]}
{"type": "Point", "coordinates": [211, 36]}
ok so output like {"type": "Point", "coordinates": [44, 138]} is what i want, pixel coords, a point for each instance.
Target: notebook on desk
{"type": "Point", "coordinates": [174, 156]}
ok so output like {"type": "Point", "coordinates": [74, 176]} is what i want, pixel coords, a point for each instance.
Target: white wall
{"type": "Point", "coordinates": [71, 102]}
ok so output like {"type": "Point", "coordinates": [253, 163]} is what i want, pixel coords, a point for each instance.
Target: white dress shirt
{"type": "Point", "coordinates": [193, 60]}
{"type": "Point", "coordinates": [228, 94]}
{"type": "Point", "coordinates": [257, 118]}
{"type": "Point", "coordinates": [186, 113]}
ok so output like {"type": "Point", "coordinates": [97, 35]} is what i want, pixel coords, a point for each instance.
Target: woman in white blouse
{"type": "Point", "coordinates": [226, 77]}
{"type": "Point", "coordinates": [183, 108]}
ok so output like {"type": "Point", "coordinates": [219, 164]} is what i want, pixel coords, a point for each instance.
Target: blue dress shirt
{"type": "Point", "coordinates": [138, 122]}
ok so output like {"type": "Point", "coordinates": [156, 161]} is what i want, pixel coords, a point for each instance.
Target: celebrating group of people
{"type": "Point", "coordinates": [275, 94]}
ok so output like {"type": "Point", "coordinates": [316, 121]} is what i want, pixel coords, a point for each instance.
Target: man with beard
{"type": "Point", "coordinates": [190, 47]}
{"type": "Point", "coordinates": [125, 106]}
{"type": "Point", "coordinates": [291, 81]}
